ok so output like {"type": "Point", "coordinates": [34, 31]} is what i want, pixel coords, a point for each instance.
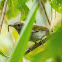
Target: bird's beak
{"type": "Point", "coordinates": [11, 25]}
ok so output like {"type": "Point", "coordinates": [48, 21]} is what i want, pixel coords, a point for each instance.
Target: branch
{"type": "Point", "coordinates": [45, 11]}
{"type": "Point", "coordinates": [35, 46]}
{"type": "Point", "coordinates": [3, 13]}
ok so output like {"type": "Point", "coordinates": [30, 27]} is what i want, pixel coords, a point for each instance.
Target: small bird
{"type": "Point", "coordinates": [38, 32]}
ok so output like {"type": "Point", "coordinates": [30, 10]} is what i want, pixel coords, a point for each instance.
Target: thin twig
{"type": "Point", "coordinates": [35, 46]}
{"type": "Point", "coordinates": [55, 8]}
{"type": "Point", "coordinates": [3, 13]}
{"type": "Point", "coordinates": [45, 11]}
{"type": "Point", "coordinates": [51, 10]}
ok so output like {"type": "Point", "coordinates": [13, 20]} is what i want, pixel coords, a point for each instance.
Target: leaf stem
{"type": "Point", "coordinates": [3, 13]}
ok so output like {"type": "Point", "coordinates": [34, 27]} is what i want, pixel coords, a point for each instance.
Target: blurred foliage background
{"type": "Point", "coordinates": [17, 11]}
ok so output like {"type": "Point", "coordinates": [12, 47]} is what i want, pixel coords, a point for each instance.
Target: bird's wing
{"type": "Point", "coordinates": [37, 28]}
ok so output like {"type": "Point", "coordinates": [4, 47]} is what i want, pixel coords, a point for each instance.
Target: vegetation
{"type": "Point", "coordinates": [17, 48]}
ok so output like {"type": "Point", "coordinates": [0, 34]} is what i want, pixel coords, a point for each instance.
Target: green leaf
{"type": "Point", "coordinates": [24, 12]}
{"type": "Point", "coordinates": [12, 12]}
{"type": "Point", "coordinates": [1, 53]}
{"type": "Point", "coordinates": [16, 6]}
{"type": "Point", "coordinates": [27, 0]}
{"type": "Point", "coordinates": [57, 5]}
{"type": "Point", "coordinates": [20, 5]}
{"type": "Point", "coordinates": [53, 49]}
{"type": "Point", "coordinates": [19, 51]}
{"type": "Point", "coordinates": [2, 4]}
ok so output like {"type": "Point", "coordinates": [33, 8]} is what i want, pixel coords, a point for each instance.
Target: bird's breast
{"type": "Point", "coordinates": [35, 36]}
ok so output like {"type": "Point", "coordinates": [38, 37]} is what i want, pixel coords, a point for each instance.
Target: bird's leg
{"type": "Point", "coordinates": [41, 40]}
{"type": "Point", "coordinates": [35, 42]}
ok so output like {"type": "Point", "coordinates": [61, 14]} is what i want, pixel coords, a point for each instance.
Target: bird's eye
{"type": "Point", "coordinates": [18, 25]}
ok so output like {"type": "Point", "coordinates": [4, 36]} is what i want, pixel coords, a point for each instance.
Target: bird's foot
{"type": "Point", "coordinates": [29, 49]}
{"type": "Point", "coordinates": [41, 42]}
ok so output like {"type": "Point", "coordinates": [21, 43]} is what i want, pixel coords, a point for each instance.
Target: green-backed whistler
{"type": "Point", "coordinates": [37, 31]}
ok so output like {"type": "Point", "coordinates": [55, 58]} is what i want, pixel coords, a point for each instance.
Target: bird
{"type": "Point", "coordinates": [38, 32]}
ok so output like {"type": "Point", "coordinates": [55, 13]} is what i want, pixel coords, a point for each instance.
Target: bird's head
{"type": "Point", "coordinates": [17, 26]}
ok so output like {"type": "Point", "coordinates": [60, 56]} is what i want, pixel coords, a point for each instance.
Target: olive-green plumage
{"type": "Point", "coordinates": [37, 31]}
